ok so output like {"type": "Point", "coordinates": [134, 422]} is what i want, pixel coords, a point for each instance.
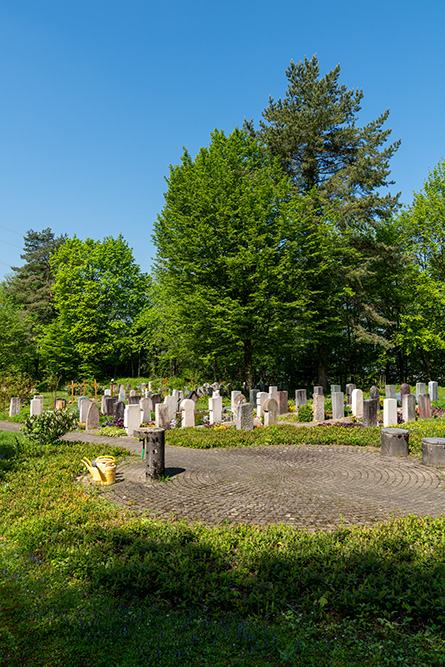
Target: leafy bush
{"type": "Point", "coordinates": [305, 413]}
{"type": "Point", "coordinates": [47, 428]}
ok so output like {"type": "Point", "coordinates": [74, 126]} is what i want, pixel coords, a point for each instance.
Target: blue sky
{"type": "Point", "coordinates": [100, 96]}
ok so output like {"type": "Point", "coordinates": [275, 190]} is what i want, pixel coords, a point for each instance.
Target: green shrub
{"type": "Point", "coordinates": [47, 428]}
{"type": "Point", "coordinates": [305, 413]}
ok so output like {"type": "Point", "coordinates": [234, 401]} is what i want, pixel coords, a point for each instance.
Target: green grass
{"type": "Point", "coordinates": [83, 582]}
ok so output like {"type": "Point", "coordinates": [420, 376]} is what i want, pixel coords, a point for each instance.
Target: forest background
{"type": "Point", "coordinates": [282, 256]}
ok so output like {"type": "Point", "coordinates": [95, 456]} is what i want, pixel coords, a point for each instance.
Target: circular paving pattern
{"type": "Point", "coordinates": [306, 487]}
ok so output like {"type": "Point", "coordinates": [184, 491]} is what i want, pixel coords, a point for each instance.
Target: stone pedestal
{"type": "Point", "coordinates": [424, 406]}
{"type": "Point", "coordinates": [390, 412]}
{"type": "Point", "coordinates": [318, 413]}
{"type": "Point", "coordinates": [408, 408]}
{"type": "Point", "coordinates": [370, 412]}
{"type": "Point", "coordinates": [394, 442]}
{"type": "Point", "coordinates": [244, 417]}
{"type": "Point", "coordinates": [338, 405]}
{"type": "Point", "coordinates": [155, 454]}
{"type": "Point", "coordinates": [433, 452]}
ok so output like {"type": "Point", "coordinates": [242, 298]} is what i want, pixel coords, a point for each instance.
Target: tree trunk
{"type": "Point", "coordinates": [248, 363]}
{"type": "Point", "coordinates": [322, 375]}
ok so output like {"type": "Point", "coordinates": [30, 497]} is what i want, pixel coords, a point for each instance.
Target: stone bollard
{"type": "Point", "coordinates": [433, 452]}
{"type": "Point", "coordinates": [155, 453]}
{"type": "Point", "coordinates": [394, 442]}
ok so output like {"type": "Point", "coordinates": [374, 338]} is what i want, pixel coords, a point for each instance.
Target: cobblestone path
{"type": "Point", "coordinates": [311, 487]}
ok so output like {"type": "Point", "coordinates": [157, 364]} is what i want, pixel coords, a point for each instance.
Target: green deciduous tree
{"type": "Point", "coordinates": [229, 255]}
{"type": "Point", "coordinates": [98, 292]}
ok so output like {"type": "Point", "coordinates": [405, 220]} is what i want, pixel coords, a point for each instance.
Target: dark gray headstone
{"type": "Point", "coordinates": [119, 410]}
{"type": "Point", "coordinates": [282, 400]}
{"type": "Point", "coordinates": [134, 400]}
{"type": "Point", "coordinates": [374, 392]}
{"type": "Point", "coordinates": [370, 411]}
{"type": "Point", "coordinates": [424, 406]}
{"type": "Point", "coordinates": [349, 389]}
{"type": "Point", "coordinates": [110, 402]}
{"type": "Point", "coordinates": [156, 398]}
{"type": "Point", "coordinates": [244, 417]}
{"type": "Point", "coordinates": [405, 389]}
{"type": "Point", "coordinates": [318, 390]}
{"type": "Point", "coordinates": [92, 421]}
{"type": "Point", "coordinates": [252, 396]}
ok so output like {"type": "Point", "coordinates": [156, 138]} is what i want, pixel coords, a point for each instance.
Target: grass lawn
{"type": "Point", "coordinates": [83, 582]}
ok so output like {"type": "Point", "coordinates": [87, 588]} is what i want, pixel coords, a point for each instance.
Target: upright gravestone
{"type": "Point", "coordinates": [262, 396]}
{"type": "Point", "coordinates": [374, 393]}
{"type": "Point", "coordinates": [318, 408]}
{"type": "Point", "coordinates": [318, 390]}
{"type": "Point", "coordinates": [80, 399]}
{"type": "Point", "coordinates": [110, 402]}
{"type": "Point", "coordinates": [215, 409]}
{"type": "Point", "coordinates": [338, 405]}
{"type": "Point", "coordinates": [103, 404]}
{"type": "Point", "coordinates": [270, 410]}
{"type": "Point", "coordinates": [156, 398]}
{"type": "Point", "coordinates": [162, 419]}
{"type": "Point", "coordinates": [420, 389]}
{"type": "Point", "coordinates": [132, 418]}
{"type": "Point", "coordinates": [35, 407]}
{"type": "Point", "coordinates": [187, 413]}
{"type": "Point", "coordinates": [404, 389]}
{"type": "Point", "coordinates": [370, 411]}
{"type": "Point", "coordinates": [132, 392]}
{"type": "Point", "coordinates": [119, 410]}
{"type": "Point", "coordinates": [252, 396]}
{"type": "Point", "coordinates": [84, 407]}
{"type": "Point", "coordinates": [122, 395]}
{"type": "Point", "coordinates": [300, 398]}
{"type": "Point", "coordinates": [237, 401]}
{"type": "Point", "coordinates": [433, 390]}
{"type": "Point", "coordinates": [357, 403]}
{"type": "Point", "coordinates": [233, 395]}
{"type": "Point", "coordinates": [390, 391]}
{"type": "Point", "coordinates": [282, 399]}
{"type": "Point", "coordinates": [424, 406]}
{"type": "Point", "coordinates": [107, 392]}
{"type": "Point", "coordinates": [172, 404]}
{"type": "Point", "coordinates": [349, 389]}
{"type": "Point", "coordinates": [408, 408]}
{"type": "Point", "coordinates": [92, 421]}
{"type": "Point", "coordinates": [14, 406]}
{"type": "Point", "coordinates": [134, 400]}
{"type": "Point", "coordinates": [60, 404]}
{"type": "Point", "coordinates": [244, 417]}
{"type": "Point", "coordinates": [273, 391]}
{"type": "Point", "coordinates": [389, 412]}
{"type": "Point", "coordinates": [146, 408]}
{"type": "Point", "coordinates": [128, 386]}
{"type": "Point", "coordinates": [335, 388]}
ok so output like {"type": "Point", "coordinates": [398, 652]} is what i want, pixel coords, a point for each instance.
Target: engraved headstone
{"type": "Point", "coordinates": [370, 411]}
{"type": "Point", "coordinates": [92, 421]}
{"type": "Point", "coordinates": [187, 412]}
{"type": "Point", "coordinates": [119, 410]}
{"type": "Point", "coordinates": [318, 408]}
{"type": "Point", "coordinates": [408, 408]}
{"type": "Point", "coordinates": [162, 419]}
{"type": "Point", "coordinates": [357, 403]}
{"type": "Point", "coordinates": [14, 406]}
{"type": "Point", "coordinates": [282, 400]}
{"type": "Point", "coordinates": [300, 398]}
{"type": "Point", "coordinates": [433, 390]}
{"type": "Point", "coordinates": [389, 412]}
{"type": "Point", "coordinates": [424, 406]}
{"type": "Point", "coordinates": [338, 405]}
{"type": "Point", "coordinates": [270, 410]}
{"type": "Point", "coordinates": [215, 409]}
{"type": "Point", "coordinates": [244, 417]}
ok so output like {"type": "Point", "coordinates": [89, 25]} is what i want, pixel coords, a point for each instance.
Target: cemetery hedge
{"type": "Point", "coordinates": [82, 581]}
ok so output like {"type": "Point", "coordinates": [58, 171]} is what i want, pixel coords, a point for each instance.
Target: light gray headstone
{"type": "Point", "coordinates": [420, 389]}
{"type": "Point", "coordinates": [122, 395]}
{"type": "Point", "coordinates": [80, 399]}
{"type": "Point", "coordinates": [273, 392]}
{"type": "Point", "coordinates": [107, 392]}
{"type": "Point", "coordinates": [357, 403]}
{"type": "Point", "coordinates": [433, 390]}
{"type": "Point", "coordinates": [408, 408]}
{"type": "Point", "coordinates": [132, 418]}
{"type": "Point", "coordinates": [146, 408]}
{"type": "Point", "coordinates": [172, 403]}
{"type": "Point", "coordinates": [338, 405]}
{"type": "Point", "coordinates": [237, 401]}
{"type": "Point", "coordinates": [244, 417]}
{"type": "Point", "coordinates": [389, 412]}
{"type": "Point", "coordinates": [260, 398]}
{"type": "Point", "coordinates": [162, 419]}
{"type": "Point", "coordinates": [215, 409]}
{"type": "Point", "coordinates": [84, 407]}
{"type": "Point", "coordinates": [35, 407]}
{"type": "Point", "coordinates": [335, 388]}
{"type": "Point", "coordinates": [187, 412]}
{"type": "Point", "coordinates": [300, 398]}
{"type": "Point", "coordinates": [318, 413]}
{"type": "Point", "coordinates": [390, 391]}
{"type": "Point", "coordinates": [132, 392]}
{"type": "Point", "coordinates": [233, 395]}
{"type": "Point", "coordinates": [270, 411]}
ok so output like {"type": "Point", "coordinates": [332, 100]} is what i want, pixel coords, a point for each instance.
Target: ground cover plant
{"type": "Point", "coordinates": [82, 580]}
